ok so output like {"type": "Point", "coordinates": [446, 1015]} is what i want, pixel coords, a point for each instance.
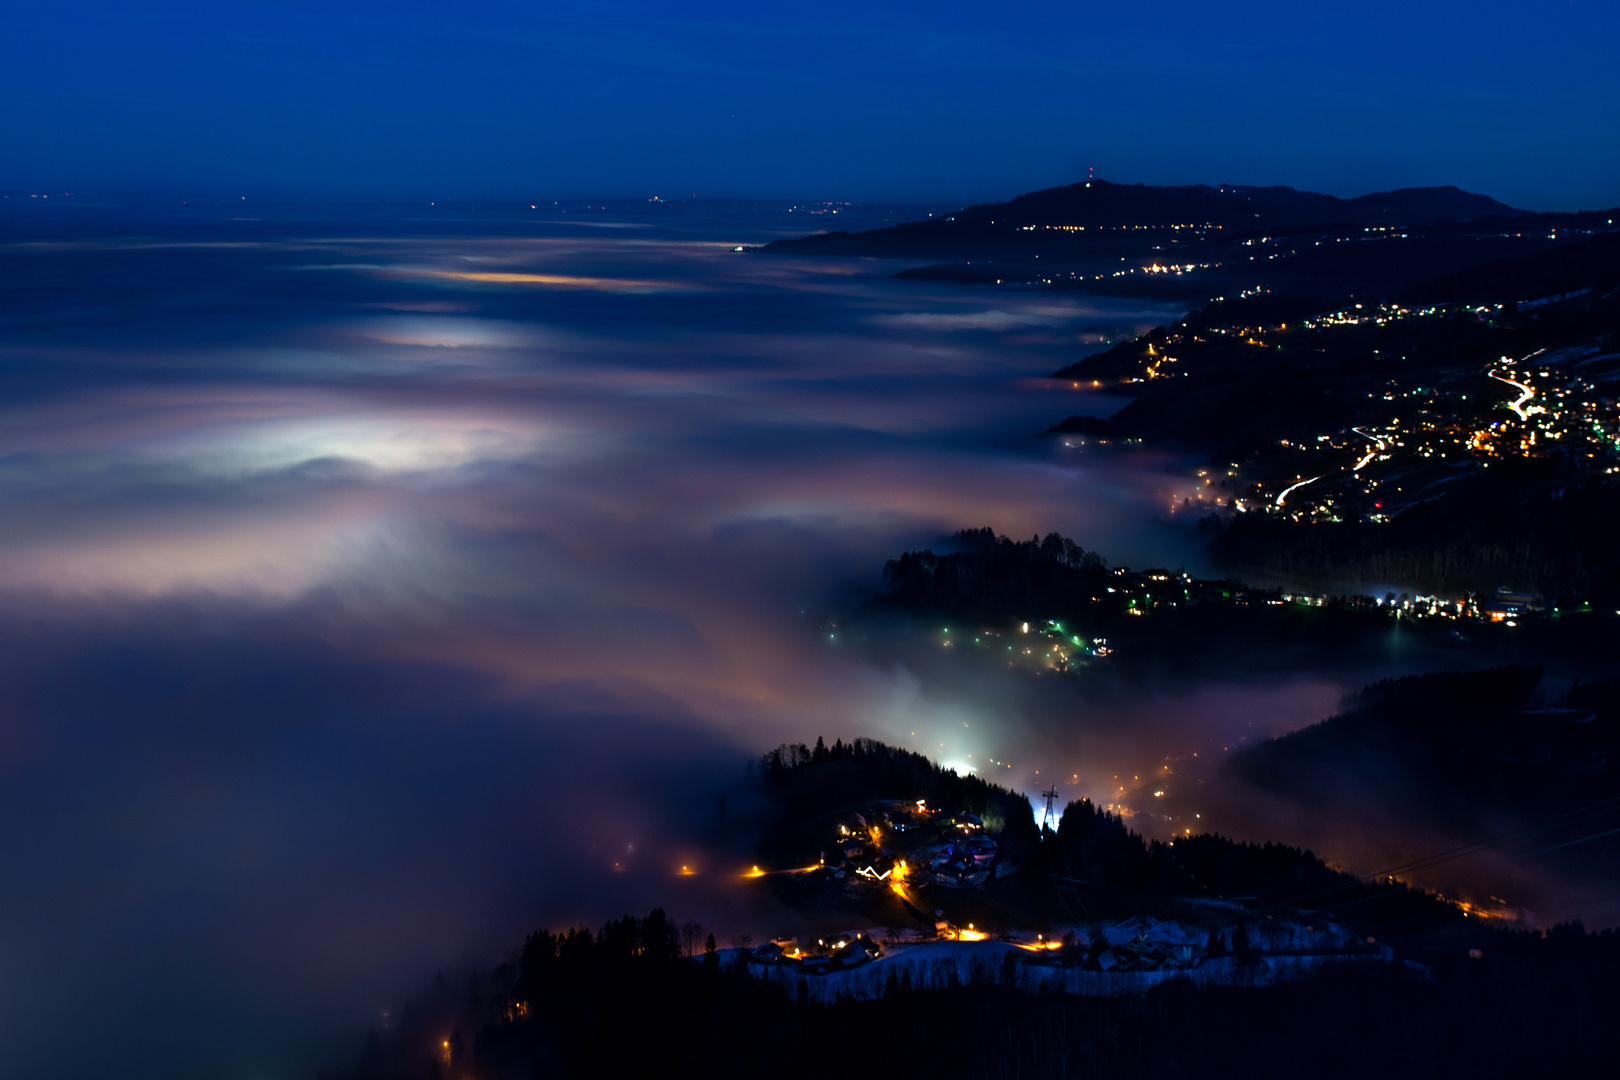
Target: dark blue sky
{"type": "Point", "coordinates": [941, 100]}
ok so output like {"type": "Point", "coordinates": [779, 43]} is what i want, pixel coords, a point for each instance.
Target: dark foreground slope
{"type": "Point", "coordinates": [622, 1004]}
{"type": "Point", "coordinates": [621, 1001]}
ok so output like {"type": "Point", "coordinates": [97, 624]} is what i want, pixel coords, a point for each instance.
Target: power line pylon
{"type": "Point", "coordinates": [1049, 816]}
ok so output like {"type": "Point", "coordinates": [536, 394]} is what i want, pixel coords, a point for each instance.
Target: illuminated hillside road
{"type": "Point", "coordinates": [1517, 406]}
{"type": "Point", "coordinates": [1378, 448]}
{"type": "Point", "coordinates": [1290, 490]}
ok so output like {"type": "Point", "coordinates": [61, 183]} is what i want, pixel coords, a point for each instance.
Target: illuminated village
{"type": "Point", "coordinates": [1426, 426]}
{"type": "Point", "coordinates": [1376, 470]}
{"type": "Point", "coordinates": [1073, 644]}
{"type": "Point", "coordinates": [936, 861]}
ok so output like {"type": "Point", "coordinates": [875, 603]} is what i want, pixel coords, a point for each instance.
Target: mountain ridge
{"type": "Point", "coordinates": [1066, 213]}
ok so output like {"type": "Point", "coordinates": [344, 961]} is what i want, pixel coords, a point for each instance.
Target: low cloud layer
{"type": "Point", "coordinates": [357, 619]}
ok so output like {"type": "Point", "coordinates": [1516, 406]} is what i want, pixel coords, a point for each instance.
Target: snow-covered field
{"type": "Point", "coordinates": [1286, 951]}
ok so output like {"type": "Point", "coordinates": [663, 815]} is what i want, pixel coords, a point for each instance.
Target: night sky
{"type": "Point", "coordinates": [944, 100]}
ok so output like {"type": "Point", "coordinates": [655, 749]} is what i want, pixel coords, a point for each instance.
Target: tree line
{"type": "Point", "coordinates": [996, 577]}
{"type": "Point", "coordinates": [808, 784]}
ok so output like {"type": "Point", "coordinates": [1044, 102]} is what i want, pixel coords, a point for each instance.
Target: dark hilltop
{"type": "Point", "coordinates": [1055, 219]}
{"type": "Point", "coordinates": [1197, 244]}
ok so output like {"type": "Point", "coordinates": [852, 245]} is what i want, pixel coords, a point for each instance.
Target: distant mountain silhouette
{"type": "Point", "coordinates": [1107, 208]}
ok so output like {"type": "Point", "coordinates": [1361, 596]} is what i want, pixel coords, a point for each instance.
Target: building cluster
{"type": "Point", "coordinates": [1424, 430]}
{"type": "Point", "coordinates": [821, 957]}
{"type": "Point", "coordinates": [826, 207]}
{"type": "Point", "coordinates": [1560, 408]}
{"type": "Point", "coordinates": [1135, 955]}
{"type": "Point", "coordinates": [1053, 646]}
{"type": "Point", "coordinates": [908, 844]}
{"type": "Point", "coordinates": [1213, 950]}
{"type": "Point", "coordinates": [1200, 229]}
{"type": "Point", "coordinates": [1384, 315]}
{"type": "Point", "coordinates": [1037, 646]}
{"type": "Point", "coordinates": [1505, 605]}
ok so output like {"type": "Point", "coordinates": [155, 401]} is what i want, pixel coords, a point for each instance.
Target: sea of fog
{"type": "Point", "coordinates": [380, 583]}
